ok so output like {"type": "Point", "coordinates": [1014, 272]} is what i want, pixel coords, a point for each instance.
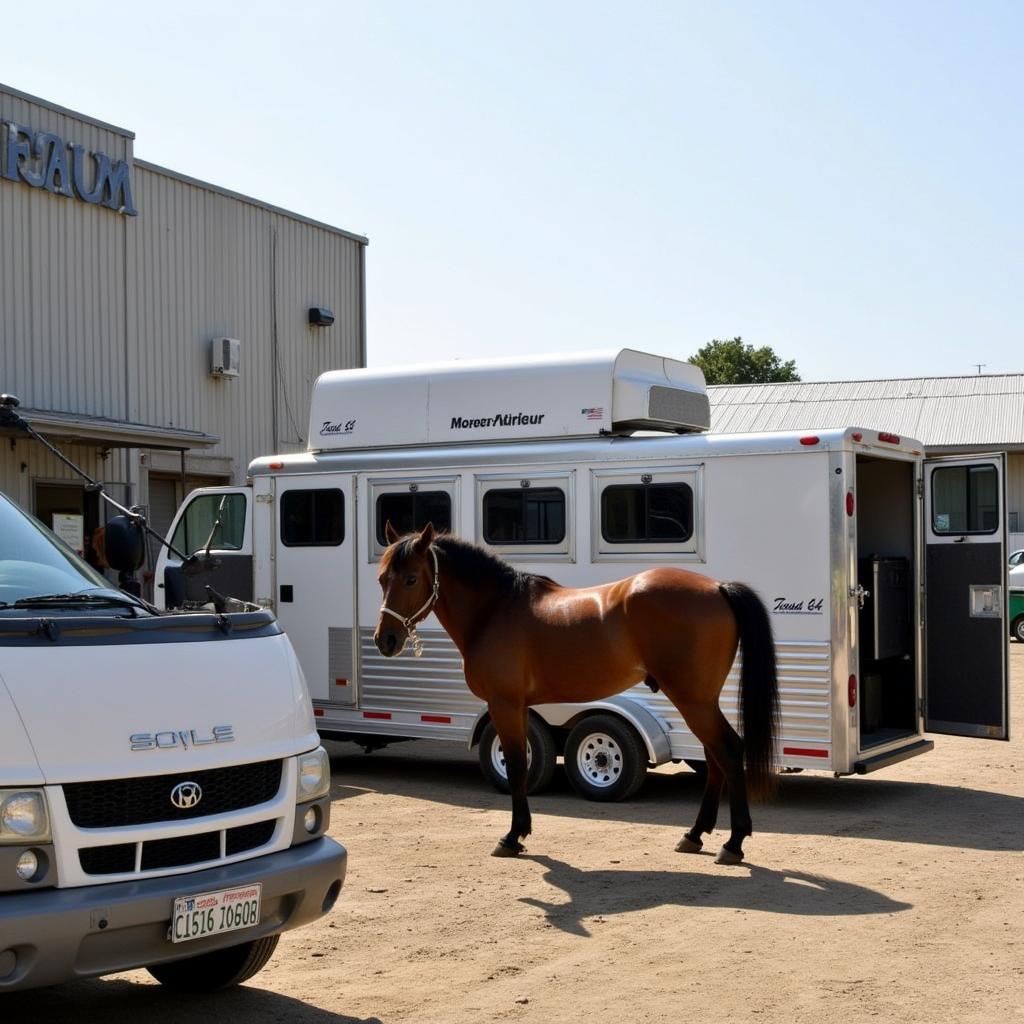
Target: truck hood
{"type": "Point", "coordinates": [77, 707]}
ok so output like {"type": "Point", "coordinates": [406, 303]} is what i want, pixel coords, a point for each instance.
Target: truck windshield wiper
{"type": "Point", "coordinates": [101, 597]}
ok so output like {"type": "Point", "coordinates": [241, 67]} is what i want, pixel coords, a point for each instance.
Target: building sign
{"type": "Point", "coordinates": [45, 160]}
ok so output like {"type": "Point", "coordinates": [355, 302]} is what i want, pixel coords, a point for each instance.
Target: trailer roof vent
{"type": "Point", "coordinates": [576, 395]}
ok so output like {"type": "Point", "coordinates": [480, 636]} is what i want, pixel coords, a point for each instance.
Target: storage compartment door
{"type": "Point", "coordinates": [213, 527]}
{"type": "Point", "coordinates": [966, 677]}
{"type": "Point", "coordinates": [315, 541]}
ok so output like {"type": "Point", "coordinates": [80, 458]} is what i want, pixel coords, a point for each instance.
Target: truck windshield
{"type": "Point", "coordinates": [33, 563]}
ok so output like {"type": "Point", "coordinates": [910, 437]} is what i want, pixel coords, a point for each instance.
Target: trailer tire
{"type": "Point", "coordinates": [541, 755]}
{"type": "Point", "coordinates": [222, 968]}
{"type": "Point", "coordinates": [605, 758]}
{"type": "Point", "coordinates": [1017, 629]}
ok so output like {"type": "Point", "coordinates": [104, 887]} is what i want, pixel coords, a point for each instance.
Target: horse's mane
{"type": "Point", "coordinates": [467, 559]}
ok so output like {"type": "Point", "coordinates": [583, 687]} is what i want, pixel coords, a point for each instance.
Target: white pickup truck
{"type": "Point", "coordinates": [163, 794]}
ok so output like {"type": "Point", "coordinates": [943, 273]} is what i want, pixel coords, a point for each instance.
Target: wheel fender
{"type": "Point", "coordinates": [482, 718]}
{"type": "Point", "coordinates": [652, 729]}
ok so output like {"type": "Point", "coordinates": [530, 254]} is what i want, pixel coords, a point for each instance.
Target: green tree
{"type": "Point", "coordinates": [731, 362]}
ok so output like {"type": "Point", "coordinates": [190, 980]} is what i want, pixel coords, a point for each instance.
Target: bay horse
{"type": "Point", "coordinates": [525, 640]}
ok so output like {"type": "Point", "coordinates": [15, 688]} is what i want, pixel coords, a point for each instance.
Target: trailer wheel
{"type": "Point", "coordinates": [540, 757]}
{"type": "Point", "coordinates": [605, 758]}
{"type": "Point", "coordinates": [1018, 628]}
{"type": "Point", "coordinates": [222, 968]}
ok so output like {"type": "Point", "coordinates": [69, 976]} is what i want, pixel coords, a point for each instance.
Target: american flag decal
{"type": "Point", "coordinates": [593, 414]}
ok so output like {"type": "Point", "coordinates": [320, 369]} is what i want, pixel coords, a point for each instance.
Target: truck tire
{"type": "Point", "coordinates": [1017, 629]}
{"type": "Point", "coordinates": [540, 752]}
{"type": "Point", "coordinates": [605, 758]}
{"type": "Point", "coordinates": [222, 968]}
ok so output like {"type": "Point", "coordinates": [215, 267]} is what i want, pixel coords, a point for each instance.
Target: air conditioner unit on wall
{"type": "Point", "coordinates": [225, 354]}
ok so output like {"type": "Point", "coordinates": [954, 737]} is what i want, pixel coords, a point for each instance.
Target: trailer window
{"type": "Point", "coordinates": [314, 518]}
{"type": "Point", "coordinates": [647, 513]}
{"type": "Point", "coordinates": [524, 515]}
{"type": "Point", "coordinates": [965, 499]}
{"type": "Point", "coordinates": [214, 519]}
{"type": "Point", "coordinates": [412, 510]}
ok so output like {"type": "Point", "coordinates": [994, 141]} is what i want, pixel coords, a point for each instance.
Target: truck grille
{"type": "Point", "coordinates": [142, 801]}
{"type": "Point", "coordinates": [176, 852]}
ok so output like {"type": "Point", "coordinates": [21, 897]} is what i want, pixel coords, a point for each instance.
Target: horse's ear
{"type": "Point", "coordinates": [390, 533]}
{"type": "Point", "coordinates": [424, 540]}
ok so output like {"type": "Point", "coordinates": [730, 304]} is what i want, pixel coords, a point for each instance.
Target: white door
{"type": "Point", "coordinates": [213, 529]}
{"type": "Point", "coordinates": [315, 541]}
{"type": "Point", "coordinates": [966, 634]}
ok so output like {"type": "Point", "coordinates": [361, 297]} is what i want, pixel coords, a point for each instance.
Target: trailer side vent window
{"type": "Point", "coordinates": [412, 510]}
{"type": "Point", "coordinates": [647, 513]}
{"type": "Point", "coordinates": [965, 499]}
{"type": "Point", "coordinates": [524, 515]}
{"type": "Point", "coordinates": [313, 518]}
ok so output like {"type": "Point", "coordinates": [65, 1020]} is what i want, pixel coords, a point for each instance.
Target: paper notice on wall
{"type": "Point", "coordinates": [71, 530]}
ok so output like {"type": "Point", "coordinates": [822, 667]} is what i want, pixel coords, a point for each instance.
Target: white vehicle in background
{"type": "Point", "coordinates": [163, 793]}
{"type": "Point", "coordinates": [884, 572]}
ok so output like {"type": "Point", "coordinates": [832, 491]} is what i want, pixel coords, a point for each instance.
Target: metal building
{"type": "Point", "coordinates": [949, 415]}
{"type": "Point", "coordinates": [122, 286]}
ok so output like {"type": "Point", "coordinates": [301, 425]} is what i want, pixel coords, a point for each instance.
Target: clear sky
{"type": "Point", "coordinates": [841, 181]}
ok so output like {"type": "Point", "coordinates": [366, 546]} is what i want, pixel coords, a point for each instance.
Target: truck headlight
{"type": "Point", "coordinates": [314, 775]}
{"type": "Point", "coordinates": [23, 816]}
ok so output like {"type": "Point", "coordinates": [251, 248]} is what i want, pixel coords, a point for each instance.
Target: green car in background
{"type": "Point", "coordinates": [1016, 591]}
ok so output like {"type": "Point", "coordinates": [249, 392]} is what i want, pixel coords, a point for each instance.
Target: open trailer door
{"type": "Point", "coordinates": [966, 672]}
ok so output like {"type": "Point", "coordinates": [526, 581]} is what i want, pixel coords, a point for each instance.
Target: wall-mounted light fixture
{"type": "Point", "coordinates": [320, 316]}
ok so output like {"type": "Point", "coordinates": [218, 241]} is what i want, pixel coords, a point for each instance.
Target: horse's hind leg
{"type": "Point", "coordinates": [707, 816]}
{"type": "Point", "coordinates": [724, 745]}
{"type": "Point", "coordinates": [510, 723]}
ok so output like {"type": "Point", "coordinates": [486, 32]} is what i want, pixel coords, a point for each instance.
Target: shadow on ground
{"type": "Point", "coordinates": [869, 808]}
{"type": "Point", "coordinates": [105, 999]}
{"type": "Point", "coordinates": [748, 887]}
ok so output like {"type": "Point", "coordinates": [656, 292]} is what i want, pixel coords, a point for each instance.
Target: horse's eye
{"type": "Point", "coordinates": [410, 581]}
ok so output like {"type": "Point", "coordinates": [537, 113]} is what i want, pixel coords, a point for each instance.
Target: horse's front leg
{"type": "Point", "coordinates": [510, 723]}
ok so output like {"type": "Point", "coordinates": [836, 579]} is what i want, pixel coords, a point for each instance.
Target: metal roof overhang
{"type": "Point", "coordinates": [106, 433]}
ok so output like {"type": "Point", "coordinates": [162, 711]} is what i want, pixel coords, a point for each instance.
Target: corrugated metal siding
{"type": "Point", "coordinates": [938, 411]}
{"type": "Point", "coordinates": [113, 316]}
{"type": "Point", "coordinates": [204, 267]}
{"type": "Point", "coordinates": [62, 298]}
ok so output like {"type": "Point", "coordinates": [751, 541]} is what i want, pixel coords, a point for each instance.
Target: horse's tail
{"type": "Point", "coordinates": [759, 687]}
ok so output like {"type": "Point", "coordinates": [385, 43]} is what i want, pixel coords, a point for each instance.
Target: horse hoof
{"type": "Point", "coordinates": [504, 849]}
{"type": "Point", "coordinates": [688, 845]}
{"type": "Point", "coordinates": [727, 856]}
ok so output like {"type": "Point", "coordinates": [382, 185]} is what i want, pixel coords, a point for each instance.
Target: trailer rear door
{"type": "Point", "coordinates": [966, 673]}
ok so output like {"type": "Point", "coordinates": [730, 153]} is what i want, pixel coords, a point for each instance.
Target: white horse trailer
{"type": "Point", "coordinates": [883, 571]}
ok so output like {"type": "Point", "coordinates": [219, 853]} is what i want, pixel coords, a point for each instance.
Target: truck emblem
{"type": "Point", "coordinates": [186, 795]}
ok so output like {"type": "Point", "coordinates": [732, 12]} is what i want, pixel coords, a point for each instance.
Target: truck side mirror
{"type": "Point", "coordinates": [124, 543]}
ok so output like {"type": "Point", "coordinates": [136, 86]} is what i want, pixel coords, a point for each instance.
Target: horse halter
{"type": "Point", "coordinates": [420, 614]}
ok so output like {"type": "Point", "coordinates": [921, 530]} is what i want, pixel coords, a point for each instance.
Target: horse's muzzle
{"type": "Point", "coordinates": [388, 642]}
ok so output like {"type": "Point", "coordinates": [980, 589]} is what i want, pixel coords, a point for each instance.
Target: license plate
{"type": "Point", "coordinates": [212, 913]}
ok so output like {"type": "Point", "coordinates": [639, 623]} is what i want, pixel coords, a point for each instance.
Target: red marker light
{"type": "Point", "coordinates": [890, 438]}
{"type": "Point", "coordinates": [850, 503]}
{"type": "Point", "coordinates": [851, 692]}
{"type": "Point", "coordinates": [857, 436]}
{"type": "Point", "coordinates": [809, 440]}
{"type": "Point", "coordinates": [277, 465]}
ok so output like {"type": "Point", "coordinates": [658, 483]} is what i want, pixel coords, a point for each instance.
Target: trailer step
{"type": "Point", "coordinates": [872, 764]}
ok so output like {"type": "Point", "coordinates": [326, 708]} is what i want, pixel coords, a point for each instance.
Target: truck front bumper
{"type": "Point", "coordinates": [56, 935]}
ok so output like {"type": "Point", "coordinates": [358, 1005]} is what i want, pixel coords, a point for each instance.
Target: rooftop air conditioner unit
{"type": "Point", "coordinates": [225, 354]}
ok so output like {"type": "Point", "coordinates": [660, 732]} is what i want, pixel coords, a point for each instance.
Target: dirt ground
{"type": "Point", "coordinates": [895, 897]}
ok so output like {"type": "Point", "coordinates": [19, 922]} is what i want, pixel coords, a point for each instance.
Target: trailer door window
{"type": "Point", "coordinates": [525, 515]}
{"type": "Point", "coordinates": [409, 511]}
{"type": "Point", "coordinates": [965, 499]}
{"type": "Point", "coordinates": [313, 518]}
{"type": "Point", "coordinates": [647, 513]}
